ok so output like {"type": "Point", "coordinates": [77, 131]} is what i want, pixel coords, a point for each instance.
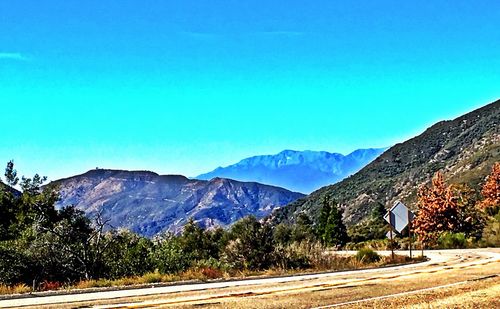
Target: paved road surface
{"type": "Point", "coordinates": [205, 293]}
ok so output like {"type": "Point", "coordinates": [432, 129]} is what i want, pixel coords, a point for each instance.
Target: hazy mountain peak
{"type": "Point", "coordinates": [301, 171]}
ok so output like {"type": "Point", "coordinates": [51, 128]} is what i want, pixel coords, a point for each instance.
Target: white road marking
{"type": "Point", "coordinates": [393, 295]}
{"type": "Point", "coordinates": [436, 257]}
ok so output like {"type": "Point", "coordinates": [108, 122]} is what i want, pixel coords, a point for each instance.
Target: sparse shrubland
{"type": "Point", "coordinates": [53, 248]}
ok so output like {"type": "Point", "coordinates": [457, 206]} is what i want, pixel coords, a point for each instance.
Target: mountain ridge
{"type": "Point", "coordinates": [300, 171]}
{"type": "Point", "coordinates": [464, 148]}
{"type": "Point", "coordinates": [148, 203]}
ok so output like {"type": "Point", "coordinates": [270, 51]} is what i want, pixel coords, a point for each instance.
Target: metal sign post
{"type": "Point", "coordinates": [409, 232]}
{"type": "Point", "coordinates": [399, 217]}
{"type": "Point", "coordinates": [392, 238]}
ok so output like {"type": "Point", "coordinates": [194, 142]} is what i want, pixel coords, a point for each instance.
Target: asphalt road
{"type": "Point", "coordinates": [205, 293]}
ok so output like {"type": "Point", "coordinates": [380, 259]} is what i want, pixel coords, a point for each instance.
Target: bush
{"type": "Point", "coordinates": [249, 246]}
{"type": "Point", "coordinates": [318, 259]}
{"type": "Point", "coordinates": [128, 255]}
{"type": "Point", "coordinates": [450, 240]}
{"type": "Point", "coordinates": [14, 265]}
{"type": "Point", "coordinates": [50, 285]}
{"type": "Point", "coordinates": [293, 256]}
{"type": "Point", "coordinates": [169, 256]}
{"type": "Point", "coordinates": [211, 273]}
{"type": "Point", "coordinates": [154, 277]}
{"type": "Point", "coordinates": [367, 255]}
{"type": "Point", "coordinates": [21, 289]}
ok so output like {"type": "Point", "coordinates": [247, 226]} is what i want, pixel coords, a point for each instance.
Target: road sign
{"type": "Point", "coordinates": [400, 216]}
{"type": "Point", "coordinates": [390, 235]}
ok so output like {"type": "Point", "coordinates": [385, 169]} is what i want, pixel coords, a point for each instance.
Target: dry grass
{"type": "Point", "coordinates": [476, 294]}
{"type": "Point", "coordinates": [149, 278]}
{"type": "Point", "coordinates": [326, 291]}
{"type": "Point", "coordinates": [16, 289]}
{"type": "Point", "coordinates": [480, 294]}
{"type": "Point", "coordinates": [320, 262]}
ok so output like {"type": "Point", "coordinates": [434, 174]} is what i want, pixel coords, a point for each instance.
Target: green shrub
{"type": "Point", "coordinates": [367, 255]}
{"type": "Point", "coordinates": [14, 266]}
{"type": "Point", "coordinates": [491, 233]}
{"type": "Point", "coordinates": [292, 256]}
{"type": "Point", "coordinates": [153, 277]}
{"type": "Point", "coordinates": [450, 240]}
{"type": "Point", "coordinates": [169, 256]}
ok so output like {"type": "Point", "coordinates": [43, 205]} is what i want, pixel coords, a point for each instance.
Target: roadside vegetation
{"type": "Point", "coordinates": [448, 217]}
{"type": "Point", "coordinates": [44, 248]}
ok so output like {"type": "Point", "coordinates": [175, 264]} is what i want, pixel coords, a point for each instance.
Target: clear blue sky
{"type": "Point", "coordinates": [186, 86]}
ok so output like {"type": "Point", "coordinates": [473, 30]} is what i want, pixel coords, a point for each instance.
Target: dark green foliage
{"type": "Point", "coordinates": [169, 256]}
{"type": "Point", "coordinates": [302, 230]}
{"type": "Point", "coordinates": [471, 219]}
{"type": "Point", "coordinates": [367, 255]}
{"type": "Point", "coordinates": [128, 255]}
{"type": "Point", "coordinates": [450, 240]}
{"type": "Point", "coordinates": [14, 266]}
{"type": "Point", "coordinates": [374, 227]}
{"type": "Point", "coordinates": [330, 229]}
{"type": "Point", "coordinates": [8, 202]}
{"type": "Point", "coordinates": [7, 213]}
{"type": "Point", "coordinates": [11, 174]}
{"type": "Point", "coordinates": [282, 234]}
{"type": "Point", "coordinates": [250, 244]}
{"type": "Point", "coordinates": [62, 249]}
{"type": "Point", "coordinates": [197, 242]}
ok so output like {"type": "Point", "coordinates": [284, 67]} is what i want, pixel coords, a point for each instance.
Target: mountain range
{"type": "Point", "coordinates": [147, 203]}
{"type": "Point", "coordinates": [464, 149]}
{"type": "Point", "coordinates": [301, 171]}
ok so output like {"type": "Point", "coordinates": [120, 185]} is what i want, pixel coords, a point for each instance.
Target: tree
{"type": "Point", "coordinates": [128, 255]}
{"type": "Point", "coordinates": [491, 190]}
{"type": "Point", "coordinates": [444, 208]}
{"type": "Point", "coordinates": [331, 230]}
{"type": "Point", "coordinates": [11, 174]}
{"type": "Point", "coordinates": [169, 256]}
{"type": "Point", "coordinates": [438, 210]}
{"type": "Point", "coordinates": [14, 265]}
{"type": "Point", "coordinates": [35, 205]}
{"type": "Point", "coordinates": [250, 244]}
{"type": "Point", "coordinates": [374, 227]}
{"type": "Point", "coordinates": [471, 220]}
{"type": "Point", "coordinates": [8, 202]}
{"type": "Point", "coordinates": [195, 242]}
{"type": "Point", "coordinates": [282, 234]}
{"type": "Point", "coordinates": [66, 249]}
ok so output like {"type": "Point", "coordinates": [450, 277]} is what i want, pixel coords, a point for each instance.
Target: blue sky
{"type": "Point", "coordinates": [186, 86]}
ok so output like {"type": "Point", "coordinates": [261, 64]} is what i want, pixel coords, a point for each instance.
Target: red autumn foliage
{"type": "Point", "coordinates": [491, 189]}
{"type": "Point", "coordinates": [50, 285]}
{"type": "Point", "coordinates": [444, 208]}
{"type": "Point", "coordinates": [438, 211]}
{"type": "Point", "coordinates": [211, 273]}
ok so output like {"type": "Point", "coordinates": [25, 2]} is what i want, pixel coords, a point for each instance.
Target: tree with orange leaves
{"type": "Point", "coordinates": [491, 189]}
{"type": "Point", "coordinates": [438, 210]}
{"type": "Point", "coordinates": [445, 208]}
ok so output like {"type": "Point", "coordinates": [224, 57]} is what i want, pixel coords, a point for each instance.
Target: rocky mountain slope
{"type": "Point", "coordinates": [147, 203]}
{"type": "Point", "coordinates": [302, 171]}
{"type": "Point", "coordinates": [464, 149]}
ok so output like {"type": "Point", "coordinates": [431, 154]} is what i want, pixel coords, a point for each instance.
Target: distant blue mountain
{"type": "Point", "coordinates": [300, 171]}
